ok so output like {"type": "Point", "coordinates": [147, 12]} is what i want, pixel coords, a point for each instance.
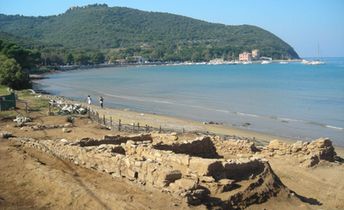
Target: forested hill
{"type": "Point", "coordinates": [155, 35]}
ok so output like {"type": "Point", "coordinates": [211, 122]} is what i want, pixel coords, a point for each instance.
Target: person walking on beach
{"type": "Point", "coordinates": [89, 100]}
{"type": "Point", "coordinates": [101, 101]}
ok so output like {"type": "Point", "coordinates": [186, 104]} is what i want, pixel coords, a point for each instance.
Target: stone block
{"type": "Point", "coordinates": [206, 167]}
{"type": "Point", "coordinates": [167, 176]}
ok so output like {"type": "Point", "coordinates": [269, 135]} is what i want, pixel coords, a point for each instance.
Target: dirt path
{"type": "Point", "coordinates": [322, 184]}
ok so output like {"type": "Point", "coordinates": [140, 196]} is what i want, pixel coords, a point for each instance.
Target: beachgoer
{"type": "Point", "coordinates": [101, 101]}
{"type": "Point", "coordinates": [89, 100]}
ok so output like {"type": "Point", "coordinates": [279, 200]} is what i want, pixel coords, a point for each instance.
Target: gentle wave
{"type": "Point", "coordinates": [334, 127]}
{"type": "Point", "coordinates": [154, 100]}
{"type": "Point", "coordinates": [247, 114]}
{"type": "Point", "coordinates": [289, 119]}
{"type": "Point", "coordinates": [280, 119]}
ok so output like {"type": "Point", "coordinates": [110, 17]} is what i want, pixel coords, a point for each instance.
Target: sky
{"type": "Point", "coordinates": [304, 24]}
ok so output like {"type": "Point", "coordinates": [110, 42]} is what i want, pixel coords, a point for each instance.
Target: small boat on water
{"type": "Point", "coordinates": [313, 62]}
{"type": "Point", "coordinates": [283, 62]}
{"type": "Point", "coordinates": [247, 62]}
{"type": "Point", "coordinates": [316, 62]}
{"type": "Point", "coordinates": [265, 62]}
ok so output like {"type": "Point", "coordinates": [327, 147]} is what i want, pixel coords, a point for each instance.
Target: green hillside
{"type": "Point", "coordinates": [122, 32]}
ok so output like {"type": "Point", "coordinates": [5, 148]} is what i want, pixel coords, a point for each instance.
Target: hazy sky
{"type": "Point", "coordinates": [301, 23]}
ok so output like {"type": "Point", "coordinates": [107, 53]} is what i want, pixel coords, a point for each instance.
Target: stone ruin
{"type": "Point", "coordinates": [193, 170]}
{"type": "Point", "coordinates": [308, 153]}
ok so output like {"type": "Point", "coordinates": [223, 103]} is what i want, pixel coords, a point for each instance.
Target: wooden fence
{"type": "Point", "coordinates": [118, 125]}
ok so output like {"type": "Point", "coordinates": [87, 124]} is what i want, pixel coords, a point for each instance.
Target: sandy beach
{"type": "Point", "coordinates": [178, 124]}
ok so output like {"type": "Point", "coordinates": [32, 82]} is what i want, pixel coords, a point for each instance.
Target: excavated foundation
{"type": "Point", "coordinates": [191, 170]}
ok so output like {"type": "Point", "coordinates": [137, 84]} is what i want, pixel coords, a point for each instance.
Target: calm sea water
{"type": "Point", "coordinates": [290, 100]}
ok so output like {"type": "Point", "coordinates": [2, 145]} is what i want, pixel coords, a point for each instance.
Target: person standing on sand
{"type": "Point", "coordinates": [101, 101]}
{"type": "Point", "coordinates": [89, 100]}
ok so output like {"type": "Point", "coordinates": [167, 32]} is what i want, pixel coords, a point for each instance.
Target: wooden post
{"type": "Point", "coordinates": [89, 112]}
{"type": "Point", "coordinates": [49, 109]}
{"type": "Point", "coordinates": [160, 129]}
{"type": "Point", "coordinates": [104, 123]}
{"type": "Point", "coordinates": [111, 126]}
{"type": "Point", "coordinates": [133, 127]}
{"type": "Point", "coordinates": [138, 127]}
{"type": "Point", "coordinates": [119, 125]}
{"type": "Point", "coordinates": [146, 128]}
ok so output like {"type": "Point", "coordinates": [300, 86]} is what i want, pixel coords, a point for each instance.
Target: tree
{"type": "Point", "coordinates": [82, 59]}
{"type": "Point", "coordinates": [12, 75]}
{"type": "Point", "coordinates": [24, 57]}
{"type": "Point", "coordinates": [70, 59]}
{"type": "Point", "coordinates": [98, 58]}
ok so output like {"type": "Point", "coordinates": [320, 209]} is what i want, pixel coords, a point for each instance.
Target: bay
{"type": "Point", "coordinates": [290, 100]}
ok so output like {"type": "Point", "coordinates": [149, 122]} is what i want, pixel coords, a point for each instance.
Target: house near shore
{"type": "Point", "coordinates": [245, 56]}
{"type": "Point", "coordinates": [139, 59]}
{"type": "Point", "coordinates": [255, 54]}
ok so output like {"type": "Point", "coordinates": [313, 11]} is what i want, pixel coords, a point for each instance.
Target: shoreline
{"type": "Point", "coordinates": [226, 129]}
{"type": "Point", "coordinates": [128, 116]}
{"type": "Point", "coordinates": [178, 124]}
{"type": "Point", "coordinates": [38, 76]}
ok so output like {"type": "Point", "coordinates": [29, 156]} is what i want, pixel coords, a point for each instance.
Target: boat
{"type": "Point", "coordinates": [283, 62]}
{"type": "Point", "coordinates": [316, 62]}
{"type": "Point", "coordinates": [313, 62]}
{"type": "Point", "coordinates": [265, 62]}
{"type": "Point", "coordinates": [247, 62]}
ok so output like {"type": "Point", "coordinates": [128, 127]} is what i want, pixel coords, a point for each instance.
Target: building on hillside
{"type": "Point", "coordinates": [139, 59]}
{"type": "Point", "coordinates": [245, 56]}
{"type": "Point", "coordinates": [255, 54]}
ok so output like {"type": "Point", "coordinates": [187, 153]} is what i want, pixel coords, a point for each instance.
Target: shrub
{"type": "Point", "coordinates": [11, 74]}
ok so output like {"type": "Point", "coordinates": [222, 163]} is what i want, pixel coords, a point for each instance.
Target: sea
{"type": "Point", "coordinates": [291, 100]}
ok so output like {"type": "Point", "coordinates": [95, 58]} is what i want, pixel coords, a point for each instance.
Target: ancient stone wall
{"type": "Point", "coordinates": [308, 153]}
{"type": "Point", "coordinates": [233, 148]}
{"type": "Point", "coordinates": [202, 147]}
{"type": "Point", "coordinates": [192, 178]}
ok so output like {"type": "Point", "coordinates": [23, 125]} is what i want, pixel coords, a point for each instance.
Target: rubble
{"type": "Point", "coordinates": [21, 120]}
{"type": "Point", "coordinates": [67, 109]}
{"type": "Point", "coordinates": [66, 130]}
{"type": "Point", "coordinates": [6, 135]}
{"type": "Point", "coordinates": [38, 127]}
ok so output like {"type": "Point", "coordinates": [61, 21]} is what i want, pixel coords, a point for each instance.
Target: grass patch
{"type": "Point", "coordinates": [3, 90]}
{"type": "Point", "coordinates": [11, 114]}
{"type": "Point", "coordinates": [34, 102]}
{"type": "Point", "coordinates": [25, 97]}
